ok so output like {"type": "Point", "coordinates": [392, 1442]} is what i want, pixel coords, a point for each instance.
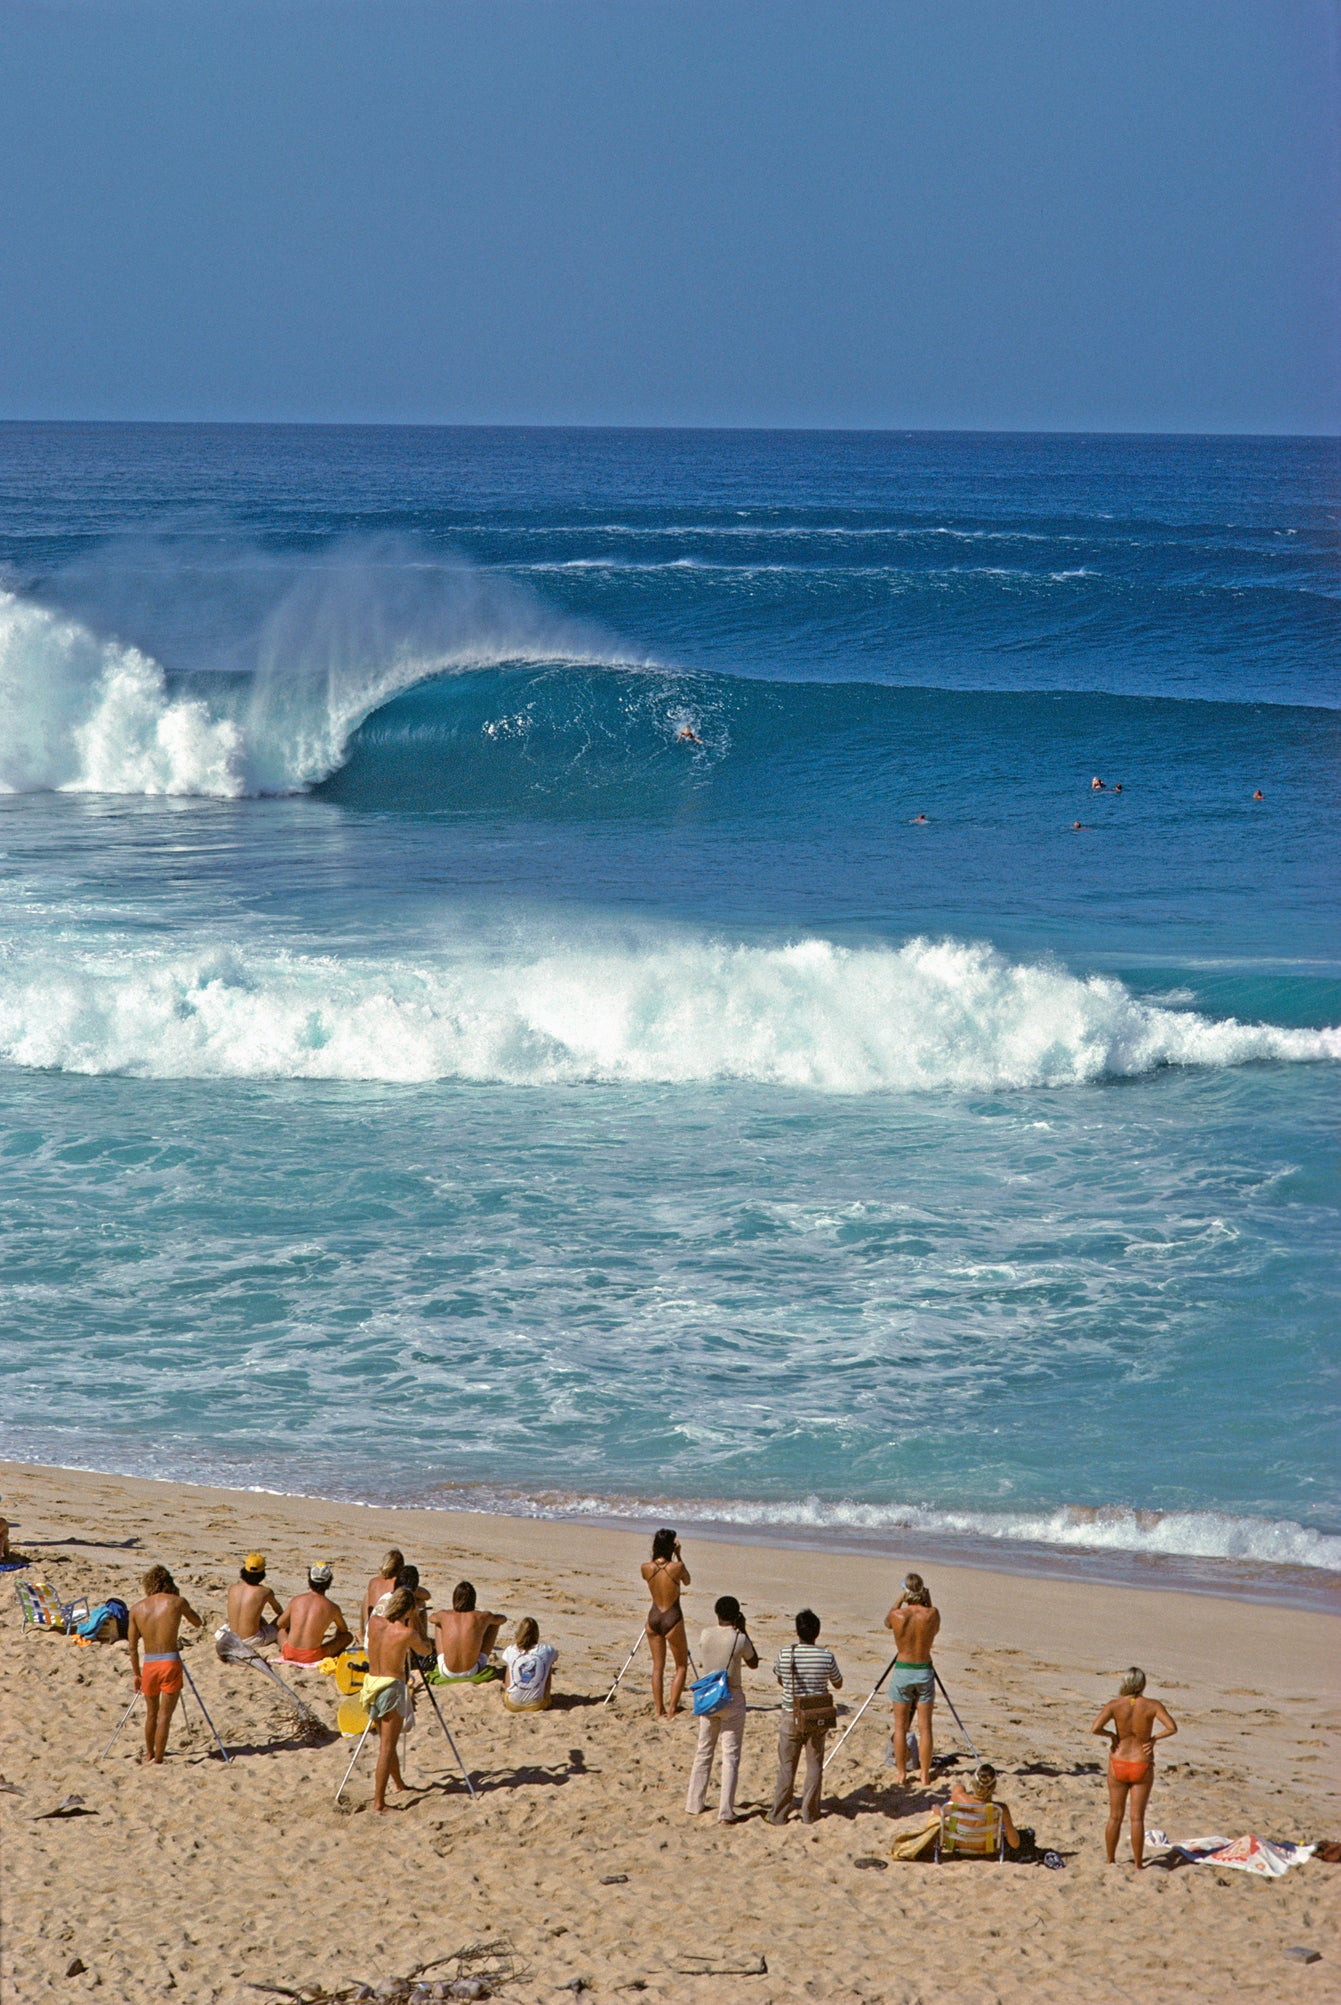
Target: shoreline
{"type": "Point", "coordinates": [579, 1853]}
{"type": "Point", "coordinates": [1281, 1584]}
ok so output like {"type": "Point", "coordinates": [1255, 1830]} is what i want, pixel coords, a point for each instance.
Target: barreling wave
{"type": "Point", "coordinates": [1115, 1529]}
{"type": "Point", "coordinates": [402, 680]}
{"type": "Point", "coordinates": [811, 1014]}
{"type": "Point", "coordinates": [84, 713]}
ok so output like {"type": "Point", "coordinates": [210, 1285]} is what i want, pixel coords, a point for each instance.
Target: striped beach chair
{"type": "Point", "coordinates": [971, 1831]}
{"type": "Point", "coordinates": [42, 1608]}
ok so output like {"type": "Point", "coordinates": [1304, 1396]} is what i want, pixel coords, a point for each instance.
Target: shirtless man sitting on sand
{"type": "Point", "coordinates": [248, 1599]}
{"type": "Point", "coordinates": [380, 1584]}
{"type": "Point", "coordinates": [312, 1626]}
{"type": "Point", "coordinates": [156, 1623]}
{"type": "Point", "coordinates": [915, 1624]}
{"type": "Point", "coordinates": [1128, 1724]}
{"type": "Point", "coordinates": [465, 1636]}
{"type": "Point", "coordinates": [386, 1690]}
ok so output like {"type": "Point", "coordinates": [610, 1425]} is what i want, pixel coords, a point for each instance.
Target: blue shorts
{"type": "Point", "coordinates": [913, 1685]}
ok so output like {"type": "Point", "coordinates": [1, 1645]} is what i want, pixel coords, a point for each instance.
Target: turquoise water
{"type": "Point", "coordinates": [424, 1074]}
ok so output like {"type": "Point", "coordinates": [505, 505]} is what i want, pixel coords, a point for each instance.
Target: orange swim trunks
{"type": "Point", "coordinates": [161, 1675]}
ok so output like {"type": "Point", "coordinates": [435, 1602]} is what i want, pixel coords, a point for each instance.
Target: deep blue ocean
{"type": "Point", "coordinates": [482, 1017]}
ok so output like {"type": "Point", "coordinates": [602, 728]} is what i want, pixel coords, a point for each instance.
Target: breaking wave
{"type": "Point", "coordinates": [1115, 1528]}
{"type": "Point", "coordinates": [810, 1014]}
{"type": "Point", "coordinates": [84, 713]}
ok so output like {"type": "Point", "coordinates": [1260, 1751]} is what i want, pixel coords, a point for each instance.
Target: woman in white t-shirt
{"type": "Point", "coordinates": [530, 1666]}
{"type": "Point", "coordinates": [725, 1648]}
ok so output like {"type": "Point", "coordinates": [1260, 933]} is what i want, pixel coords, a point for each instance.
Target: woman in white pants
{"type": "Point", "coordinates": [725, 1648]}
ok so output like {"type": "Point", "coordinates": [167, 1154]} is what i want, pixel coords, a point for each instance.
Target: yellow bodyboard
{"type": "Point", "coordinates": [352, 1718]}
{"type": "Point", "coordinates": [351, 1668]}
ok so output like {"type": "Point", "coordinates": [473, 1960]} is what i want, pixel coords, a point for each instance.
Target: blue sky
{"type": "Point", "coordinates": [1060, 214]}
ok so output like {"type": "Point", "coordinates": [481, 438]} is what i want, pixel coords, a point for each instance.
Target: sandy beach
{"type": "Point", "coordinates": [205, 1882]}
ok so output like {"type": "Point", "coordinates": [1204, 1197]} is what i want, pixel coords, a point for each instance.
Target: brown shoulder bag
{"type": "Point", "coordinates": [812, 1712]}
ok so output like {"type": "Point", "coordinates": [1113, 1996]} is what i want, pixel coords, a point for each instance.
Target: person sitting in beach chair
{"type": "Point", "coordinates": [312, 1626]}
{"type": "Point", "coordinates": [156, 1622]}
{"type": "Point", "coordinates": [248, 1599]}
{"type": "Point", "coordinates": [530, 1666]}
{"type": "Point", "coordinates": [973, 1825]}
{"type": "Point", "coordinates": [465, 1636]}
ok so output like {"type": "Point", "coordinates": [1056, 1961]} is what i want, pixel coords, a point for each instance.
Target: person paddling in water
{"type": "Point", "coordinates": [1128, 1723]}
{"type": "Point", "coordinates": [687, 735]}
{"type": "Point", "coordinates": [665, 1574]}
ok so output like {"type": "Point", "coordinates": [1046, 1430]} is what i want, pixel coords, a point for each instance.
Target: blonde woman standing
{"type": "Point", "coordinates": [1128, 1723]}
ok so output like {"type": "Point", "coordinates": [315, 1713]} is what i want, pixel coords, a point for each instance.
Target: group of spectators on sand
{"type": "Point", "coordinates": [808, 1674]}
{"type": "Point", "coordinates": [457, 1645]}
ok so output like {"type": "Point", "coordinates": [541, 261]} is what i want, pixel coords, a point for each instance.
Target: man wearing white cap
{"type": "Point", "coordinates": [305, 1627]}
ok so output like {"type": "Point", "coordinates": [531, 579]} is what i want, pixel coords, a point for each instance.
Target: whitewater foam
{"type": "Point", "coordinates": [1115, 1529]}
{"type": "Point", "coordinates": [79, 714]}
{"type": "Point", "coordinates": [810, 1014]}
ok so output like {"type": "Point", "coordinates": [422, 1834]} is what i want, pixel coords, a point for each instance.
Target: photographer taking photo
{"type": "Point", "coordinates": [724, 1649]}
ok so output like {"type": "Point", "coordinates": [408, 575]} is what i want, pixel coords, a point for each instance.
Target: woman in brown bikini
{"type": "Point", "coordinates": [1128, 1724]}
{"type": "Point", "coordinates": [665, 1574]}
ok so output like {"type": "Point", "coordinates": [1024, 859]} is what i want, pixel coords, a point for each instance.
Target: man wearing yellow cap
{"type": "Point", "coordinates": [248, 1599]}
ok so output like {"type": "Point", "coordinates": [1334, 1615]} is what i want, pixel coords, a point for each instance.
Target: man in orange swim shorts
{"type": "Point", "coordinates": [156, 1624]}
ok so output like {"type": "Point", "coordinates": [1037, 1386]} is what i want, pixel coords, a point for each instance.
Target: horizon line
{"type": "Point", "coordinates": [514, 425]}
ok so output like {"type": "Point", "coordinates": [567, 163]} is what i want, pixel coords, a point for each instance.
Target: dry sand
{"type": "Point", "coordinates": [197, 1881]}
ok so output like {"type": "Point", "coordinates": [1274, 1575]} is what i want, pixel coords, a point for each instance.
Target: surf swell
{"type": "Point", "coordinates": [811, 1015]}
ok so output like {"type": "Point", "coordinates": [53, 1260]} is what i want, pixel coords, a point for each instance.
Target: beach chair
{"type": "Point", "coordinates": [42, 1608]}
{"type": "Point", "coordinates": [971, 1832]}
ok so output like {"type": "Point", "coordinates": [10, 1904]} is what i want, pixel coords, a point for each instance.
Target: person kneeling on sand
{"type": "Point", "coordinates": [915, 1624]}
{"type": "Point", "coordinates": [385, 1692]}
{"type": "Point", "coordinates": [1128, 1723]}
{"type": "Point", "coordinates": [465, 1635]}
{"type": "Point", "coordinates": [312, 1626]}
{"type": "Point", "coordinates": [530, 1667]}
{"type": "Point", "coordinates": [805, 1673]}
{"type": "Point", "coordinates": [156, 1622]}
{"type": "Point", "coordinates": [248, 1599]}
{"type": "Point", "coordinates": [725, 1648]}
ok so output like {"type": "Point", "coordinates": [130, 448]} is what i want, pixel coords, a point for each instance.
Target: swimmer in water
{"type": "Point", "coordinates": [1096, 785]}
{"type": "Point", "coordinates": [916, 819]}
{"type": "Point", "coordinates": [686, 735]}
{"type": "Point", "coordinates": [1118, 788]}
{"type": "Point", "coordinates": [1259, 795]}
{"type": "Point", "coordinates": [1077, 824]}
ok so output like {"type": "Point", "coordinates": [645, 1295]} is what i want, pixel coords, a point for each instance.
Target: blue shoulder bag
{"type": "Point", "coordinates": [710, 1693]}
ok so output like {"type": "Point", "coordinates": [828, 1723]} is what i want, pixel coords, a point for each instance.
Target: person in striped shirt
{"type": "Point", "coordinates": [802, 1667]}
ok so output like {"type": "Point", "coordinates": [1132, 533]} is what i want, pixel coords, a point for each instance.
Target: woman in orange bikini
{"type": "Point", "coordinates": [1128, 1724]}
{"type": "Point", "coordinates": [665, 1574]}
